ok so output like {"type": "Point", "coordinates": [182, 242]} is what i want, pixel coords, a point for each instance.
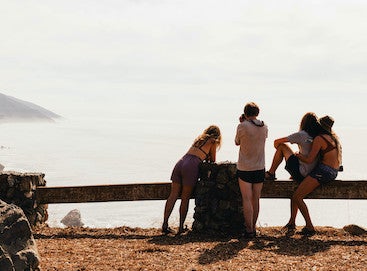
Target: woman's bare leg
{"type": "Point", "coordinates": [247, 201]}
{"type": "Point", "coordinates": [308, 185]}
{"type": "Point", "coordinates": [170, 203]}
{"type": "Point", "coordinates": [294, 211]}
{"type": "Point", "coordinates": [256, 193]}
{"type": "Point", "coordinates": [283, 151]}
{"type": "Point", "coordinates": [185, 200]}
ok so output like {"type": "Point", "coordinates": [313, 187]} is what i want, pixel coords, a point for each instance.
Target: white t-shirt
{"type": "Point", "coordinates": [251, 138]}
{"type": "Point", "coordinates": [304, 142]}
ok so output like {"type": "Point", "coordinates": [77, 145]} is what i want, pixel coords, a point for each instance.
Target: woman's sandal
{"type": "Point", "coordinates": [307, 232]}
{"type": "Point", "coordinates": [182, 230]}
{"type": "Point", "coordinates": [166, 229]}
{"type": "Point", "coordinates": [249, 235]}
{"type": "Point", "coordinates": [270, 176]}
{"type": "Point", "coordinates": [289, 228]}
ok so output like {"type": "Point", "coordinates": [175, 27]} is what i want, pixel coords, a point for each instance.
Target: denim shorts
{"type": "Point", "coordinates": [254, 176]}
{"type": "Point", "coordinates": [324, 174]}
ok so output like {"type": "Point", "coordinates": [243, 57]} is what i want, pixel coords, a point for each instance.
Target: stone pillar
{"type": "Point", "coordinates": [218, 201]}
{"type": "Point", "coordinates": [19, 189]}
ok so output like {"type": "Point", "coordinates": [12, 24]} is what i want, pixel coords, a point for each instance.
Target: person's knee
{"type": "Point", "coordinates": [174, 195]}
{"type": "Point", "coordinates": [297, 197]}
{"type": "Point", "coordinates": [281, 146]}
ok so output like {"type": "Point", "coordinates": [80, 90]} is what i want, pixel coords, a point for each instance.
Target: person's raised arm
{"type": "Point", "coordinates": [237, 138]}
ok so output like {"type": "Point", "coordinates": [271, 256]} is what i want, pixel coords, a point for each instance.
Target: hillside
{"type": "Point", "coordinates": [13, 109]}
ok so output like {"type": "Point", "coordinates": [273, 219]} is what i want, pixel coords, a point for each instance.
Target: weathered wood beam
{"type": "Point", "coordinates": [160, 191]}
{"type": "Point", "coordinates": [334, 190]}
{"type": "Point", "coordinates": [102, 193]}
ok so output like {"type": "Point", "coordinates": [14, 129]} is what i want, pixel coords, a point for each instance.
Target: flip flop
{"type": "Point", "coordinates": [248, 235]}
{"type": "Point", "coordinates": [181, 231]}
{"type": "Point", "coordinates": [289, 228]}
{"type": "Point", "coordinates": [167, 230]}
{"type": "Point", "coordinates": [307, 232]}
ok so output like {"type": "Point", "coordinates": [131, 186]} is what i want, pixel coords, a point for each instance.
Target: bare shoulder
{"type": "Point", "coordinates": [319, 140]}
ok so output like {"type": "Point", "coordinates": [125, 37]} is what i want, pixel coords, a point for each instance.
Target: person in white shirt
{"type": "Point", "coordinates": [251, 136]}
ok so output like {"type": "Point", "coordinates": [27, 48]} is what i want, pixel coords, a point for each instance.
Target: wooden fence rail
{"type": "Point", "coordinates": [160, 191]}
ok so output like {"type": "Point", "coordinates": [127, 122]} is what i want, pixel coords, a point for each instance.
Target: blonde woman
{"type": "Point", "coordinates": [186, 173]}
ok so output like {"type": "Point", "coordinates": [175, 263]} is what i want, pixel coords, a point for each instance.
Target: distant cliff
{"type": "Point", "coordinates": [13, 109]}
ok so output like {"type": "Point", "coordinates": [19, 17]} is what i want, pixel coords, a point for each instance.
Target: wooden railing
{"type": "Point", "coordinates": [160, 191]}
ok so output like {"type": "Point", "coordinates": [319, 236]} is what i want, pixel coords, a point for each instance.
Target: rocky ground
{"type": "Point", "coordinates": [125, 248]}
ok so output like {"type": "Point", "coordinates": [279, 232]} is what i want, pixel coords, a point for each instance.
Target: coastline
{"type": "Point", "coordinates": [126, 248]}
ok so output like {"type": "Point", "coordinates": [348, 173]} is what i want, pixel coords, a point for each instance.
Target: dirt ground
{"type": "Point", "coordinates": [126, 248]}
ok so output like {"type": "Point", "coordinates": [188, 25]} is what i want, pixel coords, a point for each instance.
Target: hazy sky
{"type": "Point", "coordinates": [86, 50]}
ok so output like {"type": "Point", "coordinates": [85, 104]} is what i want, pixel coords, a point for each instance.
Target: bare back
{"type": "Point", "coordinates": [325, 146]}
{"type": "Point", "coordinates": [329, 151]}
{"type": "Point", "coordinates": [205, 152]}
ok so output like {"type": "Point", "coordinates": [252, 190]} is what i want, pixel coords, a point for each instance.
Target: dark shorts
{"type": "Point", "coordinates": [292, 166]}
{"type": "Point", "coordinates": [186, 170]}
{"type": "Point", "coordinates": [324, 174]}
{"type": "Point", "coordinates": [254, 176]}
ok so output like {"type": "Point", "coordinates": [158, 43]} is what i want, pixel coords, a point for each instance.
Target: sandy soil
{"type": "Point", "coordinates": [125, 248]}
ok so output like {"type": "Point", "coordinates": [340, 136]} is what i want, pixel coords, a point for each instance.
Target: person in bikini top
{"type": "Point", "coordinates": [186, 173]}
{"type": "Point", "coordinates": [327, 146]}
{"type": "Point", "coordinates": [205, 146]}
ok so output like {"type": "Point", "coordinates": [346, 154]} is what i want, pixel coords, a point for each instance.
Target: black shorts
{"type": "Point", "coordinates": [292, 166]}
{"type": "Point", "coordinates": [254, 176]}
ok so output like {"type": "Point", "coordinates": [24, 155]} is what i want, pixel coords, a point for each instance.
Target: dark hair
{"type": "Point", "coordinates": [251, 109]}
{"type": "Point", "coordinates": [310, 124]}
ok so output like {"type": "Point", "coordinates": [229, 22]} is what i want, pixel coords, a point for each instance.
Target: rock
{"type": "Point", "coordinates": [18, 250]}
{"type": "Point", "coordinates": [218, 201]}
{"type": "Point", "coordinates": [73, 219]}
{"type": "Point", "coordinates": [354, 230]}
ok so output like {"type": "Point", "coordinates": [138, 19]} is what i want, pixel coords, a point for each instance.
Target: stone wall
{"type": "Point", "coordinates": [218, 202]}
{"type": "Point", "coordinates": [19, 189]}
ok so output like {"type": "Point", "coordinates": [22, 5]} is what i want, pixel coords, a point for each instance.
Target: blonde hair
{"type": "Point", "coordinates": [213, 132]}
{"type": "Point", "coordinates": [338, 147]}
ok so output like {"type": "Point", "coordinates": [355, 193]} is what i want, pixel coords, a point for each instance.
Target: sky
{"type": "Point", "coordinates": [65, 55]}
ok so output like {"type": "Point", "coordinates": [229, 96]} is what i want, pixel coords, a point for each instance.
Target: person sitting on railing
{"type": "Point", "coordinates": [186, 173]}
{"type": "Point", "coordinates": [327, 146]}
{"type": "Point", "coordinates": [308, 129]}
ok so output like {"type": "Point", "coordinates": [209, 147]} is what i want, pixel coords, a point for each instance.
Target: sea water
{"type": "Point", "coordinates": [139, 136]}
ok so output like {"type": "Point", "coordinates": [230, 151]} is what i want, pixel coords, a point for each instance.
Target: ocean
{"type": "Point", "coordinates": [138, 136]}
